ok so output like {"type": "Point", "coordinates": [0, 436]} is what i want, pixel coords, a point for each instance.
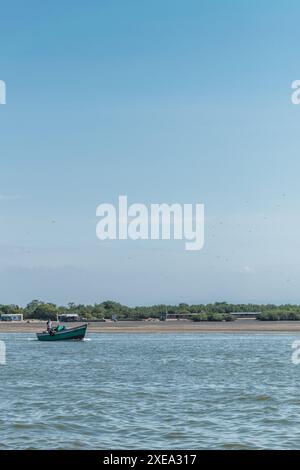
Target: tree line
{"type": "Point", "coordinates": [37, 309]}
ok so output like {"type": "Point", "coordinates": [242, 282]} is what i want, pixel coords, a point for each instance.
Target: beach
{"type": "Point", "coordinates": [170, 326]}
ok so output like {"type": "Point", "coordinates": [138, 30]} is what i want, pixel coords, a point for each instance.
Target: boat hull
{"type": "Point", "coordinates": [76, 333]}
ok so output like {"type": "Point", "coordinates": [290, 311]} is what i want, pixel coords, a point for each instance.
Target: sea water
{"type": "Point", "coordinates": [154, 391]}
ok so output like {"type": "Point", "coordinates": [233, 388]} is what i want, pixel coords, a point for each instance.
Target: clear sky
{"type": "Point", "coordinates": [165, 101]}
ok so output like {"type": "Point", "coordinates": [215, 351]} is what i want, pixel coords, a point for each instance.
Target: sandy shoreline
{"type": "Point", "coordinates": [182, 326]}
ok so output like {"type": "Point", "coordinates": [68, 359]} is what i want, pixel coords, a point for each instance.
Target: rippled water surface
{"type": "Point", "coordinates": [150, 391]}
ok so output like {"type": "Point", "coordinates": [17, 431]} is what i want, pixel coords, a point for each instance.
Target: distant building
{"type": "Point", "coordinates": [11, 317]}
{"type": "Point", "coordinates": [65, 317]}
{"type": "Point", "coordinates": [245, 314]}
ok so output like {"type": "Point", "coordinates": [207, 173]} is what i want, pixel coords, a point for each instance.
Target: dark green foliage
{"type": "Point", "coordinates": [218, 311]}
{"type": "Point", "coordinates": [279, 315]}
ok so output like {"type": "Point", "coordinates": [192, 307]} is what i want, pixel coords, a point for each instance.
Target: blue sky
{"type": "Point", "coordinates": [165, 101]}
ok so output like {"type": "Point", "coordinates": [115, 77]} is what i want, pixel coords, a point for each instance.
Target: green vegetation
{"type": "Point", "coordinates": [219, 311]}
{"type": "Point", "coordinates": [279, 315]}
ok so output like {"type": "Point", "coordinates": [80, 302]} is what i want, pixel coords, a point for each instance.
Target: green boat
{"type": "Point", "coordinates": [61, 333]}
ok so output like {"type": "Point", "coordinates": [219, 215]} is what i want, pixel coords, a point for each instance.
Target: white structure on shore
{"type": "Point", "coordinates": [68, 317]}
{"type": "Point", "coordinates": [11, 317]}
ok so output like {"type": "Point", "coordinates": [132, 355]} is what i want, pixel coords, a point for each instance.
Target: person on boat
{"type": "Point", "coordinates": [49, 325]}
